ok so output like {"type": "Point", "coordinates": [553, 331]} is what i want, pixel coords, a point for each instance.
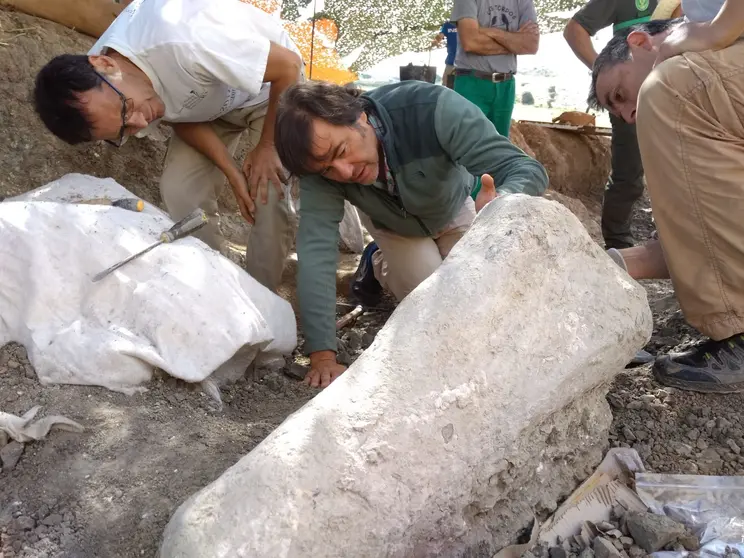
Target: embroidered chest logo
{"type": "Point", "coordinates": [641, 5]}
{"type": "Point", "coordinates": [193, 99]}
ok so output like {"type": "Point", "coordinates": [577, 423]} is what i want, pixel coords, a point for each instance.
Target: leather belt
{"type": "Point", "coordinates": [495, 77]}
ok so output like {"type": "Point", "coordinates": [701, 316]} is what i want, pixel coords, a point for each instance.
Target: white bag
{"type": "Point", "coordinates": [181, 307]}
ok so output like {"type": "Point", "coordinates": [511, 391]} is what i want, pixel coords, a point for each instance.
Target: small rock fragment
{"type": "Point", "coordinates": [354, 341]}
{"type": "Point", "coordinates": [367, 339]}
{"type": "Point", "coordinates": [587, 553]}
{"type": "Point", "coordinates": [693, 434]}
{"type": "Point", "coordinates": [557, 552]}
{"type": "Point", "coordinates": [615, 401]}
{"type": "Point", "coordinates": [605, 526]}
{"type": "Point", "coordinates": [628, 433]}
{"type": "Point", "coordinates": [627, 541]}
{"type": "Point", "coordinates": [53, 519]}
{"type": "Point", "coordinates": [636, 552]}
{"type": "Point", "coordinates": [3, 439]}
{"type": "Point", "coordinates": [690, 542]}
{"type": "Point", "coordinates": [682, 449]}
{"type": "Point", "coordinates": [701, 444]}
{"type": "Point", "coordinates": [344, 358]}
{"type": "Point", "coordinates": [648, 398]}
{"type": "Point", "coordinates": [14, 364]}
{"type": "Point", "coordinates": [297, 371]}
{"type": "Point", "coordinates": [733, 445]}
{"type": "Point", "coordinates": [10, 455]}
{"type": "Point", "coordinates": [25, 523]}
{"type": "Point", "coordinates": [709, 461]}
{"type": "Point", "coordinates": [274, 382]}
{"type": "Point", "coordinates": [618, 512]}
{"type": "Point", "coordinates": [653, 532]}
{"type": "Point", "coordinates": [605, 549]}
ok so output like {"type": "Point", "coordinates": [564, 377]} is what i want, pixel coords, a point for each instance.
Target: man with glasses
{"type": "Point", "coordinates": [212, 69]}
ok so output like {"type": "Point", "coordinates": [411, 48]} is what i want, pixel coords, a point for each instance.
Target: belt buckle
{"type": "Point", "coordinates": [495, 77]}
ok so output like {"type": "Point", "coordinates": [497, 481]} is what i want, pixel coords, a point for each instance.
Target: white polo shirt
{"type": "Point", "coordinates": [204, 58]}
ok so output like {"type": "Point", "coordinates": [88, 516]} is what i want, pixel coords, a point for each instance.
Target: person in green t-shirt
{"type": "Point", "coordinates": [625, 184]}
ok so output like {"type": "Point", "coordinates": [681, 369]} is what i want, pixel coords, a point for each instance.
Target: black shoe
{"type": "Point", "coordinates": [713, 367]}
{"type": "Point", "coordinates": [364, 287]}
{"type": "Point", "coordinates": [641, 357]}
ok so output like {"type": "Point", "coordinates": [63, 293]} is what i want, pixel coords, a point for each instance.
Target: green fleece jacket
{"type": "Point", "coordinates": [435, 142]}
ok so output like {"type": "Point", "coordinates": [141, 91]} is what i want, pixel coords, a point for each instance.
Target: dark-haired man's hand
{"type": "Point", "coordinates": [239, 186]}
{"type": "Point", "coordinates": [323, 369]}
{"type": "Point", "coordinates": [263, 167]}
{"type": "Point", "coordinates": [486, 194]}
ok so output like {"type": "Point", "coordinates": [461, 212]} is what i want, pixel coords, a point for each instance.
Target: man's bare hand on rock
{"type": "Point", "coordinates": [486, 194]}
{"type": "Point", "coordinates": [263, 168]}
{"type": "Point", "coordinates": [323, 369]}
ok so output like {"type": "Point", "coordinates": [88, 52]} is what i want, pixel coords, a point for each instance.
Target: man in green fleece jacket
{"type": "Point", "coordinates": [406, 155]}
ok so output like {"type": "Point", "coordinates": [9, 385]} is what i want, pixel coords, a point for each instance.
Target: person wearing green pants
{"type": "Point", "coordinates": [492, 33]}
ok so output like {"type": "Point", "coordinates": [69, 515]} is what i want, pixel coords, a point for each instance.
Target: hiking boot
{"type": "Point", "coordinates": [364, 287]}
{"type": "Point", "coordinates": [713, 367]}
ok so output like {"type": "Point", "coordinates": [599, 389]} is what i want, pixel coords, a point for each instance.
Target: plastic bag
{"type": "Point", "coordinates": [712, 507]}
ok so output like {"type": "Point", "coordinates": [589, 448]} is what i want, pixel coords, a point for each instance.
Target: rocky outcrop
{"type": "Point", "coordinates": [481, 400]}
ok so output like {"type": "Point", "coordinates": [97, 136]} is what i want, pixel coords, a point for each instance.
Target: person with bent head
{"type": "Point", "coordinates": [407, 156]}
{"type": "Point", "coordinates": [682, 83]}
{"type": "Point", "coordinates": [213, 70]}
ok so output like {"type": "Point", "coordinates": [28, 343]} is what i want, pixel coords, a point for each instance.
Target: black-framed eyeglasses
{"type": "Point", "coordinates": [126, 113]}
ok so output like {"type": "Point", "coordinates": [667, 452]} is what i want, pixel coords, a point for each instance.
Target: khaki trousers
{"type": "Point", "coordinates": [690, 123]}
{"type": "Point", "coordinates": [191, 180]}
{"type": "Point", "coordinates": [403, 262]}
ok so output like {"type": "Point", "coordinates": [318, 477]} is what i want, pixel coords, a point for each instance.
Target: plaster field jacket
{"type": "Point", "coordinates": [435, 142]}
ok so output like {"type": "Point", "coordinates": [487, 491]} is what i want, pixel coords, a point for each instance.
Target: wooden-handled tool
{"type": "Point", "coordinates": [346, 319]}
{"type": "Point", "coordinates": [186, 226]}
